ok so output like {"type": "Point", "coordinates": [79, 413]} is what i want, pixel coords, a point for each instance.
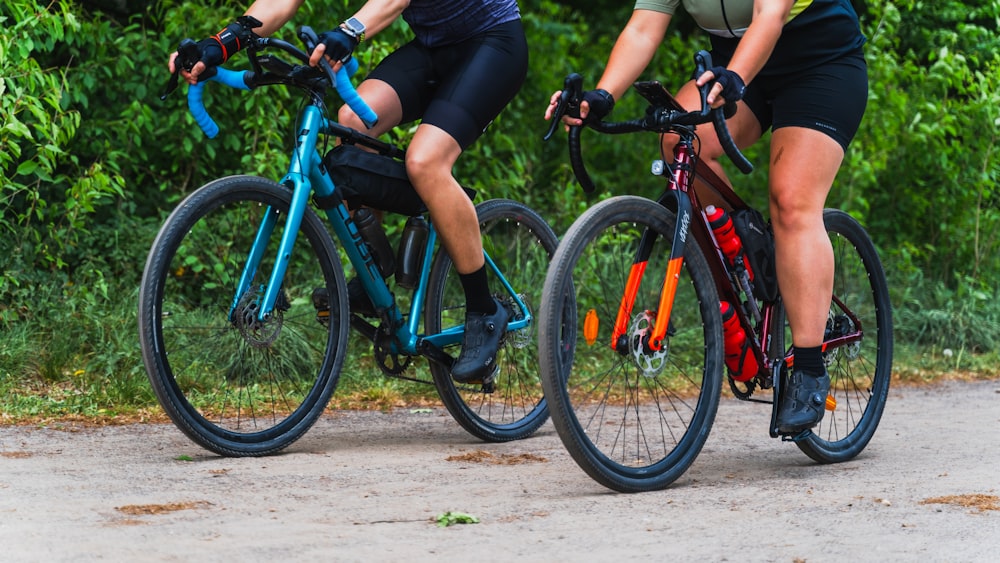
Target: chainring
{"type": "Point", "coordinates": [388, 361]}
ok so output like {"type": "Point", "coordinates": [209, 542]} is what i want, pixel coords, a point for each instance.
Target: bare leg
{"type": "Point", "coordinates": [429, 162]}
{"type": "Point", "coordinates": [804, 163]}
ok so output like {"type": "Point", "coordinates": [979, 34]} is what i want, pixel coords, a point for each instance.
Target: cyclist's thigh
{"type": "Point", "coordinates": [409, 73]}
{"type": "Point", "coordinates": [830, 98]}
{"type": "Point", "coordinates": [479, 77]}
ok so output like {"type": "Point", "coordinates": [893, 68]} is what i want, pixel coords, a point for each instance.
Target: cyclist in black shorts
{"type": "Point", "coordinates": [467, 61]}
{"type": "Point", "coordinates": [796, 67]}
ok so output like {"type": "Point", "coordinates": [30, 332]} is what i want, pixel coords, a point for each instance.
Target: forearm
{"type": "Point", "coordinates": [758, 42]}
{"type": "Point", "coordinates": [633, 51]}
{"type": "Point", "coordinates": [379, 14]}
{"type": "Point", "coordinates": [273, 14]}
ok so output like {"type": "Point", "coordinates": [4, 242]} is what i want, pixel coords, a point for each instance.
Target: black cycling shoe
{"type": "Point", "coordinates": [478, 361]}
{"type": "Point", "coordinates": [804, 402]}
{"type": "Point", "coordinates": [356, 297]}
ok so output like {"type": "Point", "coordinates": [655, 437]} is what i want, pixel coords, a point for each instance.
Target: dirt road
{"type": "Point", "coordinates": [365, 486]}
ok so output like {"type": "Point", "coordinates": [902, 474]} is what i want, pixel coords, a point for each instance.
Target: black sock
{"type": "Point", "coordinates": [809, 360]}
{"type": "Point", "coordinates": [477, 292]}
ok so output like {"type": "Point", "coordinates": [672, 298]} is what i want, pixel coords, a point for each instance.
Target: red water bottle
{"type": "Point", "coordinates": [725, 235]}
{"type": "Point", "coordinates": [740, 360]}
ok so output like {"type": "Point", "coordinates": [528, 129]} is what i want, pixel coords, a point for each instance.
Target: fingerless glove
{"type": "Point", "coordinates": [601, 103]}
{"type": "Point", "coordinates": [732, 84]}
{"type": "Point", "coordinates": [339, 44]}
{"type": "Point", "coordinates": [218, 48]}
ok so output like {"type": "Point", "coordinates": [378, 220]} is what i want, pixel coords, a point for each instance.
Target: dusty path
{"type": "Point", "coordinates": [365, 486]}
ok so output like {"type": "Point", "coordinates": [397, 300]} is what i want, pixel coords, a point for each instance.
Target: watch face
{"type": "Point", "coordinates": [356, 26]}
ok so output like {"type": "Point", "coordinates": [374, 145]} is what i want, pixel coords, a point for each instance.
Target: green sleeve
{"type": "Point", "coordinates": [665, 6]}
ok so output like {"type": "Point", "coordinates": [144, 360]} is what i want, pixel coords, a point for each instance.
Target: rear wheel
{"type": "Point", "coordinates": [521, 244]}
{"type": "Point", "coordinates": [859, 350]}
{"type": "Point", "coordinates": [234, 384]}
{"type": "Point", "coordinates": [634, 419]}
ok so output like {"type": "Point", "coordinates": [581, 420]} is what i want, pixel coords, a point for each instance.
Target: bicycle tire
{"type": "Point", "coordinates": [860, 372]}
{"type": "Point", "coordinates": [521, 244]}
{"type": "Point", "coordinates": [634, 421]}
{"type": "Point", "coordinates": [232, 386]}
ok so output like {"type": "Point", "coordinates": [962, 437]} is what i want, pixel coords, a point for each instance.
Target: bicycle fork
{"type": "Point", "coordinates": [671, 278]}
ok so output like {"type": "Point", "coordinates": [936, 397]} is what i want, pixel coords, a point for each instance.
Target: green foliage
{"type": "Point", "coordinates": [928, 147]}
{"type": "Point", "coordinates": [47, 190]}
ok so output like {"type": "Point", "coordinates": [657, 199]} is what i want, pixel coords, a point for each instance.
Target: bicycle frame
{"type": "Point", "coordinates": [308, 175]}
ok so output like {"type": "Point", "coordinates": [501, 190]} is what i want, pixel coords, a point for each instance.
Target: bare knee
{"type": "Point", "coordinates": [792, 212]}
{"type": "Point", "coordinates": [347, 118]}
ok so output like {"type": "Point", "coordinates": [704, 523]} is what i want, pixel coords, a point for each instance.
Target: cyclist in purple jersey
{"type": "Point", "coordinates": [468, 60]}
{"type": "Point", "coordinates": [795, 67]}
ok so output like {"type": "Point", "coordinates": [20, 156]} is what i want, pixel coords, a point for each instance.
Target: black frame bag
{"type": "Point", "coordinates": [758, 244]}
{"type": "Point", "coordinates": [368, 179]}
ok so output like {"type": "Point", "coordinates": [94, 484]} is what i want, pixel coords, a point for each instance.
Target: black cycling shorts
{"type": "Point", "coordinates": [830, 98]}
{"type": "Point", "coordinates": [459, 88]}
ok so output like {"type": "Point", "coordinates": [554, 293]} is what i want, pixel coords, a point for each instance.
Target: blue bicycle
{"type": "Point", "coordinates": [244, 307]}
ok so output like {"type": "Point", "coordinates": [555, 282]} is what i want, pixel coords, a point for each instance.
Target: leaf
{"type": "Point", "coordinates": [451, 518]}
{"type": "Point", "coordinates": [27, 168]}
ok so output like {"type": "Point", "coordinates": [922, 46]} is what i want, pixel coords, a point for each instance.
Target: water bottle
{"type": "Point", "coordinates": [740, 360]}
{"type": "Point", "coordinates": [725, 235]}
{"type": "Point", "coordinates": [371, 231]}
{"type": "Point", "coordinates": [411, 252]}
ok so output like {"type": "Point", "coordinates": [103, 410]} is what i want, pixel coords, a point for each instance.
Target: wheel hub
{"type": "Point", "coordinates": [256, 332]}
{"type": "Point", "coordinates": [649, 362]}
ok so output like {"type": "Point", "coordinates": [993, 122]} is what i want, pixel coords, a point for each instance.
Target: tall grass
{"type": "Point", "coordinates": [80, 356]}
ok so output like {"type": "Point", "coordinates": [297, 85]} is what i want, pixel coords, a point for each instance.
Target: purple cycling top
{"type": "Point", "coordinates": [445, 22]}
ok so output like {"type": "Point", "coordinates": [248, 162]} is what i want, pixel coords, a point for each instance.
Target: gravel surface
{"type": "Point", "coordinates": [364, 486]}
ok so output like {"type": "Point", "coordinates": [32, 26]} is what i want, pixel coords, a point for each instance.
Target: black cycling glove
{"type": "Point", "coordinates": [732, 84]}
{"type": "Point", "coordinates": [218, 48]}
{"type": "Point", "coordinates": [339, 44]}
{"type": "Point", "coordinates": [600, 102]}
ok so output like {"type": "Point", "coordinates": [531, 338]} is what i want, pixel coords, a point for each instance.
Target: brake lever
{"type": "Point", "coordinates": [703, 62]}
{"type": "Point", "coordinates": [570, 96]}
{"type": "Point", "coordinates": [188, 55]}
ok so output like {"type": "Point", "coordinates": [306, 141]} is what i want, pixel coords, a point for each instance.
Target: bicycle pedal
{"type": "Point", "coordinates": [489, 382]}
{"type": "Point", "coordinates": [321, 303]}
{"type": "Point", "coordinates": [797, 437]}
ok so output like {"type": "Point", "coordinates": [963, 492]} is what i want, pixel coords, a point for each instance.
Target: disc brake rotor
{"type": "Point", "coordinates": [256, 332]}
{"type": "Point", "coordinates": [649, 362]}
{"type": "Point", "coordinates": [524, 337]}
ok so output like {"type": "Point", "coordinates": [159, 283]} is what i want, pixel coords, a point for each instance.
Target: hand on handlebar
{"type": "Point", "coordinates": [728, 87]}
{"type": "Point", "coordinates": [335, 44]}
{"type": "Point", "coordinates": [593, 106]}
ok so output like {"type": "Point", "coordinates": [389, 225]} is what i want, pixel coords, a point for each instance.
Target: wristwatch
{"type": "Point", "coordinates": [354, 28]}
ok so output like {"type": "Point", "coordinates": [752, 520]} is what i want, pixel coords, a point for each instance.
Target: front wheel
{"type": "Point", "coordinates": [860, 367]}
{"type": "Point", "coordinates": [633, 418]}
{"type": "Point", "coordinates": [234, 384]}
{"type": "Point", "coordinates": [521, 244]}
